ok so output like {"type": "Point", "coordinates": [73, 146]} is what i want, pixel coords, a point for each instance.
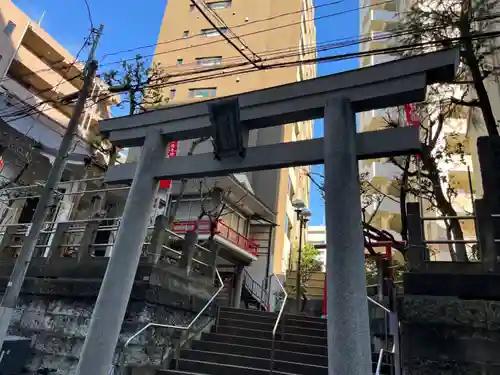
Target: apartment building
{"type": "Point", "coordinates": [36, 72]}
{"type": "Point", "coordinates": [377, 21]}
{"type": "Point", "coordinates": [267, 32]}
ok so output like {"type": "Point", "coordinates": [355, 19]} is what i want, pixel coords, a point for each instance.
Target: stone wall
{"type": "Point", "coordinates": [55, 311]}
{"type": "Point", "coordinates": [449, 336]}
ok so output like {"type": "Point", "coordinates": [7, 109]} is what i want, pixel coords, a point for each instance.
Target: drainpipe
{"type": "Point", "coordinates": [268, 261]}
{"type": "Point", "coordinates": [14, 54]}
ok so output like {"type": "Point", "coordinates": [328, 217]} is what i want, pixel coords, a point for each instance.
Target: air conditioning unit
{"type": "Point", "coordinates": [15, 353]}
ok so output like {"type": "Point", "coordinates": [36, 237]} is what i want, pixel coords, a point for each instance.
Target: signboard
{"type": "Point", "coordinates": [171, 153]}
{"type": "Point", "coordinates": [412, 118]}
{"type": "Point", "coordinates": [411, 115]}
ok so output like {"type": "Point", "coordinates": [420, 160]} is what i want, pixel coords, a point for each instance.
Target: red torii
{"type": "Point", "coordinates": [387, 255]}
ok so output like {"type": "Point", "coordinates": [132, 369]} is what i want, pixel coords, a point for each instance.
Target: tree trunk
{"type": "Point", "coordinates": [451, 249]}
{"type": "Point", "coordinates": [473, 64]}
{"type": "Point", "coordinates": [445, 206]}
{"type": "Point", "coordinates": [482, 94]}
{"type": "Point", "coordinates": [403, 192]}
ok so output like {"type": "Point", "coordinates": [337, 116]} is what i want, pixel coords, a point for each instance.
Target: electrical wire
{"type": "Point", "coordinates": [242, 35]}
{"type": "Point", "coordinates": [325, 59]}
{"type": "Point", "coordinates": [34, 108]}
{"type": "Point", "coordinates": [387, 50]}
{"type": "Point", "coordinates": [244, 70]}
{"type": "Point", "coordinates": [229, 40]}
{"type": "Point", "coordinates": [229, 29]}
{"type": "Point", "coordinates": [233, 27]}
{"type": "Point", "coordinates": [89, 15]}
{"type": "Point", "coordinates": [247, 34]}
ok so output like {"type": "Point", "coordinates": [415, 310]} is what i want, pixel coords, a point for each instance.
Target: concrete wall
{"type": "Point", "coordinates": [57, 301]}
{"type": "Point", "coordinates": [449, 336]}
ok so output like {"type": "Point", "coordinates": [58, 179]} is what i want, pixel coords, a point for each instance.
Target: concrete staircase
{"type": "Point", "coordinates": [315, 285]}
{"type": "Point", "coordinates": [241, 344]}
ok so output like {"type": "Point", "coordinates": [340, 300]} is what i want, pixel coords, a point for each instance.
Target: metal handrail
{"type": "Point", "coordinates": [249, 279]}
{"type": "Point", "coordinates": [182, 328]}
{"type": "Point", "coordinates": [388, 321]}
{"type": "Point", "coordinates": [379, 305]}
{"type": "Point", "coordinates": [275, 328]}
{"type": "Point", "coordinates": [379, 362]}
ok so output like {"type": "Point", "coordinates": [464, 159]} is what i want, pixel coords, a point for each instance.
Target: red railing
{"type": "Point", "coordinates": [221, 230]}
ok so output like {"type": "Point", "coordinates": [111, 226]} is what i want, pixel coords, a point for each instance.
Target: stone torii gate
{"type": "Point", "coordinates": [228, 120]}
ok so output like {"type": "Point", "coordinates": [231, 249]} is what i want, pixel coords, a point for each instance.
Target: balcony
{"type": "Point", "coordinates": [222, 230]}
{"type": "Point", "coordinates": [381, 170]}
{"type": "Point", "coordinates": [51, 114]}
{"type": "Point", "coordinates": [377, 119]}
{"type": "Point", "coordinates": [45, 129]}
{"type": "Point", "coordinates": [391, 206]}
{"type": "Point", "coordinates": [42, 72]}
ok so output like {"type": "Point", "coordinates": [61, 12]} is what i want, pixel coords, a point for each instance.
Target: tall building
{"type": "Point", "coordinates": [266, 33]}
{"type": "Point", "coordinates": [377, 20]}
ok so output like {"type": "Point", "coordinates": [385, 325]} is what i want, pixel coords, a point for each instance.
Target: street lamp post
{"type": "Point", "coordinates": [303, 214]}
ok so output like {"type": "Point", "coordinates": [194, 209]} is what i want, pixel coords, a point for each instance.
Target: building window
{"type": "Point", "coordinates": [209, 61]}
{"type": "Point", "coordinates": [9, 29]}
{"type": "Point", "coordinates": [213, 32]}
{"type": "Point", "coordinates": [179, 61]}
{"type": "Point", "coordinates": [220, 4]}
{"type": "Point", "coordinates": [202, 93]}
{"type": "Point", "coordinates": [172, 93]}
{"type": "Point", "coordinates": [288, 227]}
{"type": "Point", "coordinates": [186, 34]}
{"type": "Point", "coordinates": [291, 193]}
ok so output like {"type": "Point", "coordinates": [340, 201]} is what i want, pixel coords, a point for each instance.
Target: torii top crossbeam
{"type": "Point", "coordinates": [380, 86]}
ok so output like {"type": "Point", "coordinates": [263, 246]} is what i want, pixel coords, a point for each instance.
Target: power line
{"type": "Point", "coordinates": [89, 14]}
{"type": "Point", "coordinates": [242, 35]}
{"type": "Point", "coordinates": [233, 27]}
{"type": "Point", "coordinates": [317, 60]}
{"type": "Point", "coordinates": [224, 24]}
{"type": "Point", "coordinates": [219, 73]}
{"type": "Point", "coordinates": [229, 40]}
{"type": "Point", "coordinates": [248, 34]}
{"type": "Point", "coordinates": [34, 108]}
{"type": "Point", "coordinates": [379, 51]}
{"type": "Point", "coordinates": [85, 43]}
{"type": "Point", "coordinates": [324, 48]}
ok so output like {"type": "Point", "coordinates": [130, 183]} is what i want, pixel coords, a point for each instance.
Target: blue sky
{"type": "Point", "coordinates": [129, 23]}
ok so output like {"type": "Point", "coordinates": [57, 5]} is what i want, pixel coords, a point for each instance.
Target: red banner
{"type": "Point", "coordinates": [411, 115]}
{"type": "Point", "coordinates": [412, 118]}
{"type": "Point", "coordinates": [171, 153]}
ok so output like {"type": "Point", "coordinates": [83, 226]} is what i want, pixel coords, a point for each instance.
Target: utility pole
{"type": "Point", "coordinates": [11, 295]}
{"type": "Point", "coordinates": [299, 261]}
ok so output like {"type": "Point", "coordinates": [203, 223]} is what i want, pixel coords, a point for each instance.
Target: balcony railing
{"type": "Point", "coordinates": [221, 229]}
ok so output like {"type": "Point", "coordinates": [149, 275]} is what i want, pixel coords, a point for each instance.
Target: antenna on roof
{"type": "Point", "coordinates": [41, 19]}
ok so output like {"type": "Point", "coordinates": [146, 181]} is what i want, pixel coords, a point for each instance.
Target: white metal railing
{"type": "Point", "coordinates": [79, 229]}
{"type": "Point", "coordinates": [278, 319]}
{"type": "Point", "coordinates": [379, 362]}
{"type": "Point", "coordinates": [175, 327]}
{"type": "Point", "coordinates": [390, 323]}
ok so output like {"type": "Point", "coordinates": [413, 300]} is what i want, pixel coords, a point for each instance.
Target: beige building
{"type": "Point", "coordinates": [36, 72]}
{"type": "Point", "coordinates": [268, 32]}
